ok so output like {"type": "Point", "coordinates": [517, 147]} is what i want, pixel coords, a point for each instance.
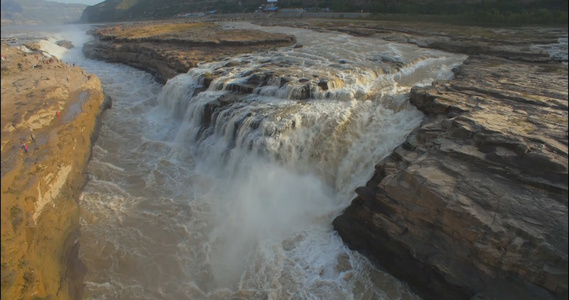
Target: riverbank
{"type": "Point", "coordinates": [50, 116]}
{"type": "Point", "coordinates": [168, 48]}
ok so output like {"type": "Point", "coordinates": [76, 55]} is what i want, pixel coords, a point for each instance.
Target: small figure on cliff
{"type": "Point", "coordinates": [58, 114]}
{"type": "Point", "coordinates": [89, 77]}
{"type": "Point", "coordinates": [25, 147]}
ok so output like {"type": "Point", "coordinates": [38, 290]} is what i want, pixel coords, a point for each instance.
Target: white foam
{"type": "Point", "coordinates": [52, 48]}
{"type": "Point", "coordinates": [243, 208]}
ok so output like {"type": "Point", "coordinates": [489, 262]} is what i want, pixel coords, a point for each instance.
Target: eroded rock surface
{"type": "Point", "coordinates": [54, 109]}
{"type": "Point", "coordinates": [168, 49]}
{"type": "Point", "coordinates": [474, 203]}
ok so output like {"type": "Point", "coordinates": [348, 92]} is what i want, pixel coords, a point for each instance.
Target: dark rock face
{"type": "Point", "coordinates": [65, 44]}
{"type": "Point", "coordinates": [474, 203]}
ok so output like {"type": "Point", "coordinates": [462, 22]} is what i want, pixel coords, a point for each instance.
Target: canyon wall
{"type": "Point", "coordinates": [474, 203]}
{"type": "Point", "coordinates": [55, 110]}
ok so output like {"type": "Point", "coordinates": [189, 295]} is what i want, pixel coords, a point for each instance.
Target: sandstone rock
{"type": "Point", "coordinates": [172, 51]}
{"type": "Point", "coordinates": [40, 210]}
{"type": "Point", "coordinates": [474, 203]}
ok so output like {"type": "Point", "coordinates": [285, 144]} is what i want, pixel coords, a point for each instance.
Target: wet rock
{"type": "Point", "coordinates": [240, 88]}
{"type": "Point", "coordinates": [65, 44]}
{"type": "Point", "coordinates": [207, 79]}
{"type": "Point", "coordinates": [107, 102]}
{"type": "Point", "coordinates": [302, 92]}
{"type": "Point", "coordinates": [283, 81]}
{"type": "Point", "coordinates": [323, 84]}
{"type": "Point", "coordinates": [213, 107]}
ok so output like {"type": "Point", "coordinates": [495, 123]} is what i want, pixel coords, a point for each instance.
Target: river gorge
{"type": "Point", "coordinates": [231, 180]}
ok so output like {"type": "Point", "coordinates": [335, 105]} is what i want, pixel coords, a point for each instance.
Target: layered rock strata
{"type": "Point", "coordinates": [474, 203]}
{"type": "Point", "coordinates": [168, 49]}
{"type": "Point", "coordinates": [54, 109]}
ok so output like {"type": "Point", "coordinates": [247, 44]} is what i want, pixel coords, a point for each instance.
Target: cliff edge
{"type": "Point", "coordinates": [50, 116]}
{"type": "Point", "coordinates": [166, 49]}
{"type": "Point", "coordinates": [474, 204]}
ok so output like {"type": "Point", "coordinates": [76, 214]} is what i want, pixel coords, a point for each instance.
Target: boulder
{"type": "Point", "coordinates": [65, 44]}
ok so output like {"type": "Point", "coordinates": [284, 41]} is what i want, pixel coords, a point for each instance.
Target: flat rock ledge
{"type": "Point", "coordinates": [474, 204]}
{"type": "Point", "coordinates": [54, 109]}
{"type": "Point", "coordinates": [166, 49]}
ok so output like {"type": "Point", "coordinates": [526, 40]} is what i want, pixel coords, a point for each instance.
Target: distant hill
{"type": "Point", "coordinates": [18, 12]}
{"type": "Point", "coordinates": [123, 10]}
{"type": "Point", "coordinates": [506, 11]}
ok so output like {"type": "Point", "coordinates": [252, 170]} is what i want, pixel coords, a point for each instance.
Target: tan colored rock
{"type": "Point", "coordinates": [39, 205]}
{"type": "Point", "coordinates": [166, 49]}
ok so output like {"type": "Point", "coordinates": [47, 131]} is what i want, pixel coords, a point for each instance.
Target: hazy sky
{"type": "Point", "coordinates": [88, 2]}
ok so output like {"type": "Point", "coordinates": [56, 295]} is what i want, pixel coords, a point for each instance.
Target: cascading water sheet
{"type": "Point", "coordinates": [224, 182]}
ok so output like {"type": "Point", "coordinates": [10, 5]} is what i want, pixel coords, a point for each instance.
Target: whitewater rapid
{"type": "Point", "coordinates": [198, 192]}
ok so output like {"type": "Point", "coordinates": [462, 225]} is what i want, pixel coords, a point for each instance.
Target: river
{"type": "Point", "coordinates": [238, 204]}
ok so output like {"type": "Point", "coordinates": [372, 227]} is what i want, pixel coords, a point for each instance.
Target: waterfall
{"type": "Point", "coordinates": [327, 121]}
{"type": "Point", "coordinates": [224, 182]}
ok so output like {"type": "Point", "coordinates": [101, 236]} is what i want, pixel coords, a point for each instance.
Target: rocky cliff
{"type": "Point", "coordinates": [54, 109]}
{"type": "Point", "coordinates": [474, 203]}
{"type": "Point", "coordinates": [168, 49]}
